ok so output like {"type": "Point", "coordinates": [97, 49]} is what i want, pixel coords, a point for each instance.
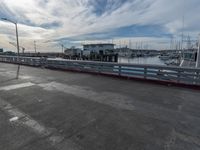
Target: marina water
{"type": "Point", "coordinates": [142, 60]}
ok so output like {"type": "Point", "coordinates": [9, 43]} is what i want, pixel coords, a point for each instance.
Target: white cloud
{"type": "Point", "coordinates": [77, 17]}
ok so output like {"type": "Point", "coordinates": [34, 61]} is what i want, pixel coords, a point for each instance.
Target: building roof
{"type": "Point", "coordinates": [99, 44]}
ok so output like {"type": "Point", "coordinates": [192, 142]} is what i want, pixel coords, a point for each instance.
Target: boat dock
{"type": "Point", "coordinates": [54, 110]}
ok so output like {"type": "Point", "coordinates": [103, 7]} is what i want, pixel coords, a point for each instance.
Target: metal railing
{"type": "Point", "coordinates": [188, 76]}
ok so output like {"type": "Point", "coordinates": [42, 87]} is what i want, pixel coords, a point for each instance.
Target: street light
{"type": "Point", "coordinates": [17, 38]}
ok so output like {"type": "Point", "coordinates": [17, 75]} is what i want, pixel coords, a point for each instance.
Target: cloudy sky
{"type": "Point", "coordinates": [74, 22]}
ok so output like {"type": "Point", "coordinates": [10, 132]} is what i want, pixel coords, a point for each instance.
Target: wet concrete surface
{"type": "Point", "coordinates": [65, 110]}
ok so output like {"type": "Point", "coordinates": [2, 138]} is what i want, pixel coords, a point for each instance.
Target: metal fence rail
{"type": "Point", "coordinates": [187, 76]}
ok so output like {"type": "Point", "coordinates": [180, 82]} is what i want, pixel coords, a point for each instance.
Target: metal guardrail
{"type": "Point", "coordinates": [188, 76]}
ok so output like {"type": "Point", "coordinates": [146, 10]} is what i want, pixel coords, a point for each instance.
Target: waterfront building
{"type": "Point", "coordinates": [98, 48]}
{"type": "Point", "coordinates": [73, 52]}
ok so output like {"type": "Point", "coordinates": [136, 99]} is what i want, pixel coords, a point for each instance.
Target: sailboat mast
{"type": "Point", "coordinates": [198, 54]}
{"type": "Point", "coordinates": [182, 36]}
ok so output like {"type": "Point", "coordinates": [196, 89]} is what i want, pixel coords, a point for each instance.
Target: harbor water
{"type": "Point", "coordinates": [142, 60]}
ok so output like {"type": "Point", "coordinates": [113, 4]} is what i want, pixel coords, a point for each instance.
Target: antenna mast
{"type": "Point", "coordinates": [182, 36]}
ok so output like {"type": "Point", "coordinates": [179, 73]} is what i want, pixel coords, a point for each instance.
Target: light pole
{"type": "Point", "coordinates": [17, 38]}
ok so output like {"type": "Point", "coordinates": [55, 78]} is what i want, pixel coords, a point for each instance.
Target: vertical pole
{"type": "Point", "coordinates": [198, 55]}
{"type": "Point", "coordinates": [18, 60]}
{"type": "Point", "coordinates": [17, 42]}
{"type": "Point", "coordinates": [145, 72]}
{"type": "Point", "coordinates": [120, 70]}
{"type": "Point", "coordinates": [62, 48]}
{"type": "Point", "coordinates": [182, 36]}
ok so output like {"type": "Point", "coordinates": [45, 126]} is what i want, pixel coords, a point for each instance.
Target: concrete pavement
{"type": "Point", "coordinates": [57, 110]}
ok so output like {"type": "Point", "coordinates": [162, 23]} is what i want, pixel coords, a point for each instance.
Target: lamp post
{"type": "Point", "coordinates": [17, 38]}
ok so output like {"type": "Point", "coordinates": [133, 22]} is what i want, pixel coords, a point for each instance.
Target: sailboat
{"type": "Point", "coordinates": [198, 57]}
{"type": "Point", "coordinates": [191, 58]}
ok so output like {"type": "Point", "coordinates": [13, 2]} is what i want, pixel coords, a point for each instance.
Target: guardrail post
{"type": "Point", "coordinates": [179, 77]}
{"type": "Point", "coordinates": [120, 70]}
{"type": "Point", "coordinates": [100, 68]}
{"type": "Point", "coordinates": [159, 74]}
{"type": "Point", "coordinates": [198, 77]}
{"type": "Point", "coordinates": [145, 72]}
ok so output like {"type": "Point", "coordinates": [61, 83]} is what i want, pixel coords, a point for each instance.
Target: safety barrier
{"type": "Point", "coordinates": [188, 76]}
